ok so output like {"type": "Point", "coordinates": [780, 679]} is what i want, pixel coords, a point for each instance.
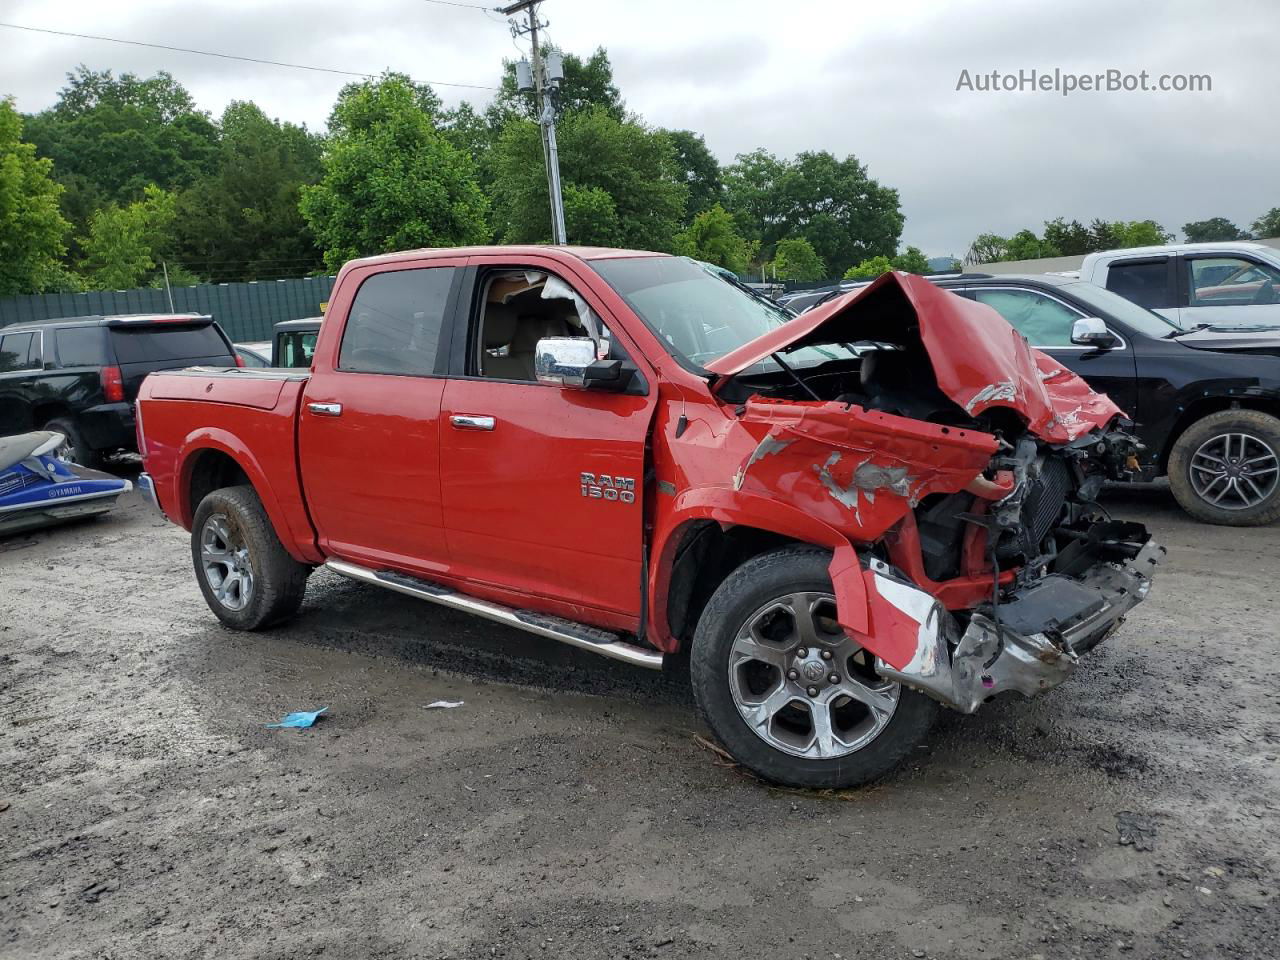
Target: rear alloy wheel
{"type": "Point", "coordinates": [1226, 468]}
{"type": "Point", "coordinates": [247, 577]}
{"type": "Point", "coordinates": [786, 690]}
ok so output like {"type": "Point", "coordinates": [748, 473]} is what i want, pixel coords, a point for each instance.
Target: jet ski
{"type": "Point", "coordinates": [38, 488]}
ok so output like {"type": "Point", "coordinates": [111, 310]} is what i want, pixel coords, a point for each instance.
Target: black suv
{"type": "Point", "coordinates": [1206, 400]}
{"type": "Point", "coordinates": [80, 375]}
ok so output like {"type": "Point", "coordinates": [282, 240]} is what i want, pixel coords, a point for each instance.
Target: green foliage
{"type": "Point", "coordinates": [712, 237]}
{"type": "Point", "coordinates": [911, 260]}
{"type": "Point", "coordinates": [242, 222]}
{"type": "Point", "coordinates": [698, 170]}
{"type": "Point", "coordinates": [124, 242]}
{"type": "Point", "coordinates": [32, 230]}
{"type": "Point", "coordinates": [1214, 229]}
{"type": "Point", "coordinates": [391, 180]}
{"type": "Point", "coordinates": [1025, 245]}
{"type": "Point", "coordinates": [869, 269]}
{"type": "Point", "coordinates": [1069, 239]}
{"type": "Point", "coordinates": [795, 259]}
{"type": "Point", "coordinates": [631, 165]}
{"type": "Point", "coordinates": [1267, 225]}
{"type": "Point", "coordinates": [988, 248]}
{"type": "Point", "coordinates": [110, 137]}
{"type": "Point", "coordinates": [844, 214]}
{"type": "Point", "coordinates": [1062, 239]}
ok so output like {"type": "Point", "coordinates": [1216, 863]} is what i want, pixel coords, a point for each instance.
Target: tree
{"type": "Point", "coordinates": [1139, 233]}
{"type": "Point", "coordinates": [1025, 245]}
{"type": "Point", "coordinates": [698, 169]}
{"type": "Point", "coordinates": [1069, 239]}
{"type": "Point", "coordinates": [242, 222]}
{"type": "Point", "coordinates": [32, 230]}
{"type": "Point", "coordinates": [712, 237]}
{"type": "Point", "coordinates": [600, 157]}
{"type": "Point", "coordinates": [844, 214]}
{"type": "Point", "coordinates": [111, 137]}
{"type": "Point", "coordinates": [911, 260]}
{"type": "Point", "coordinates": [795, 259]}
{"type": "Point", "coordinates": [988, 248]}
{"type": "Point", "coordinates": [869, 269]}
{"type": "Point", "coordinates": [1211, 230]}
{"type": "Point", "coordinates": [124, 243]}
{"type": "Point", "coordinates": [391, 178]}
{"type": "Point", "coordinates": [1267, 225]}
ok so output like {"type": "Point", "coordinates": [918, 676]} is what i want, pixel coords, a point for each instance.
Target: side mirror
{"type": "Point", "coordinates": [571, 362]}
{"type": "Point", "coordinates": [1092, 332]}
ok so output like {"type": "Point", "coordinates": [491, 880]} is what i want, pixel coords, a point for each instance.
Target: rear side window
{"type": "Point", "coordinates": [15, 352]}
{"type": "Point", "coordinates": [395, 322]}
{"type": "Point", "coordinates": [297, 347]}
{"type": "Point", "coordinates": [1145, 282]}
{"type": "Point", "coordinates": [152, 343]}
{"type": "Point", "coordinates": [80, 347]}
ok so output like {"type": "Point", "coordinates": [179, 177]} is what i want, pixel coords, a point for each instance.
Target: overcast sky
{"type": "Point", "coordinates": [877, 80]}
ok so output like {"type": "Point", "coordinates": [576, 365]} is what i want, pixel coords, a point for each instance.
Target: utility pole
{"type": "Point", "coordinates": [544, 81]}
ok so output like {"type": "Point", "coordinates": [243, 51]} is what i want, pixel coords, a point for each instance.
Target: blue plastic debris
{"type": "Point", "coordinates": [303, 718]}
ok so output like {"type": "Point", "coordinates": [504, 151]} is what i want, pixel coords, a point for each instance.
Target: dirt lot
{"type": "Point", "coordinates": [567, 810]}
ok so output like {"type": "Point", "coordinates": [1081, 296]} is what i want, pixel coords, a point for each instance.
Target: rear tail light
{"type": "Point", "coordinates": [112, 385]}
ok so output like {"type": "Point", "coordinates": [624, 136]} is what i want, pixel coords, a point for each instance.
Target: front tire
{"type": "Point", "coordinates": [788, 693]}
{"type": "Point", "coordinates": [247, 577]}
{"type": "Point", "coordinates": [1225, 468]}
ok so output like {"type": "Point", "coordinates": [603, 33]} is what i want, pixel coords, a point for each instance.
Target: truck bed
{"type": "Point", "coordinates": [250, 414]}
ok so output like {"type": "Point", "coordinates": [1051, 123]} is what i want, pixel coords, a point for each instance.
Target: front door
{"type": "Point", "coordinates": [543, 485]}
{"type": "Point", "coordinates": [1230, 291]}
{"type": "Point", "coordinates": [1046, 322]}
{"type": "Point", "coordinates": [369, 426]}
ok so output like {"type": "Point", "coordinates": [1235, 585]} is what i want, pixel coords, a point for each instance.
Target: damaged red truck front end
{"type": "Point", "coordinates": [953, 472]}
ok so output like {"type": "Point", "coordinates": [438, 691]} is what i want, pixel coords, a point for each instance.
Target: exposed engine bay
{"type": "Point", "coordinates": [1028, 569]}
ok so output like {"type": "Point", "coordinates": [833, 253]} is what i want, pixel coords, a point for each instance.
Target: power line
{"type": "Point", "coordinates": [232, 56]}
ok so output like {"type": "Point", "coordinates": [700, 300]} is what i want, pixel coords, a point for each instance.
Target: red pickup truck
{"type": "Point", "coordinates": [843, 518]}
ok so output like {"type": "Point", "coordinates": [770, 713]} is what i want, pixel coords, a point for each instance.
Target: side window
{"type": "Point", "coordinates": [15, 350]}
{"type": "Point", "coordinates": [80, 346]}
{"type": "Point", "coordinates": [395, 322]}
{"type": "Point", "coordinates": [297, 347]}
{"type": "Point", "coordinates": [1042, 320]}
{"type": "Point", "coordinates": [517, 308]}
{"type": "Point", "coordinates": [1145, 282]}
{"type": "Point", "coordinates": [1231, 282]}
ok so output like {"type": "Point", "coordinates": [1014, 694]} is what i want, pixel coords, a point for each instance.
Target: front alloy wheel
{"type": "Point", "coordinates": [1225, 468]}
{"type": "Point", "coordinates": [802, 685]}
{"type": "Point", "coordinates": [790, 695]}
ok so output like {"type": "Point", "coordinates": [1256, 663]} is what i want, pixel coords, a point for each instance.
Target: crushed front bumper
{"type": "Point", "coordinates": [1043, 631]}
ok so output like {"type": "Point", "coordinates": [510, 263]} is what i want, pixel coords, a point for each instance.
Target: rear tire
{"type": "Point", "coordinates": [76, 449]}
{"type": "Point", "coordinates": [772, 616]}
{"type": "Point", "coordinates": [248, 579]}
{"type": "Point", "coordinates": [1233, 455]}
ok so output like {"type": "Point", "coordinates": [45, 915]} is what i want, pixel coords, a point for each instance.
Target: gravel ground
{"type": "Point", "coordinates": [568, 809]}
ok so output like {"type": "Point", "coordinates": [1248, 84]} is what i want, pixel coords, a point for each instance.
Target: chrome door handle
{"type": "Point", "coordinates": [325, 409]}
{"type": "Point", "coordinates": [468, 421]}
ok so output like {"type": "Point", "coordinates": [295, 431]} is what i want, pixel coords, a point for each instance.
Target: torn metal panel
{"type": "Point", "coordinates": [978, 359]}
{"type": "Point", "coordinates": [770, 444]}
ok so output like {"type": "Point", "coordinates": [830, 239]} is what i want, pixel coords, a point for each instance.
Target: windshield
{"type": "Point", "coordinates": [1139, 319]}
{"type": "Point", "coordinates": [700, 314]}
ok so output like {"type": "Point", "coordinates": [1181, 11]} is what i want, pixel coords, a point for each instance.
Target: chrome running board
{"type": "Point", "coordinates": [566, 631]}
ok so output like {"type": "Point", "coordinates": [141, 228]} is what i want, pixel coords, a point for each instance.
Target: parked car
{"type": "Point", "coordinates": [295, 342]}
{"type": "Point", "coordinates": [38, 488]}
{"type": "Point", "coordinates": [79, 376]}
{"type": "Point", "coordinates": [841, 520]}
{"type": "Point", "coordinates": [1206, 402]}
{"type": "Point", "coordinates": [1229, 284]}
{"type": "Point", "coordinates": [254, 354]}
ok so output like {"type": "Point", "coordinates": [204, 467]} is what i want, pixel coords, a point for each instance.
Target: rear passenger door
{"type": "Point", "coordinates": [1149, 282]}
{"type": "Point", "coordinates": [1046, 322]}
{"type": "Point", "coordinates": [369, 427]}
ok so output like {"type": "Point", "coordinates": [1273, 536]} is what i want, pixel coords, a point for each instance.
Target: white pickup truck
{"type": "Point", "coordinates": [1229, 284]}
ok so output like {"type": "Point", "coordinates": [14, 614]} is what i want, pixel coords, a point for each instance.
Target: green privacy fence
{"type": "Point", "coordinates": [246, 311]}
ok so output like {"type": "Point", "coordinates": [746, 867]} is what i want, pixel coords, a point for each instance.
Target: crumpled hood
{"type": "Point", "coordinates": [979, 360]}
